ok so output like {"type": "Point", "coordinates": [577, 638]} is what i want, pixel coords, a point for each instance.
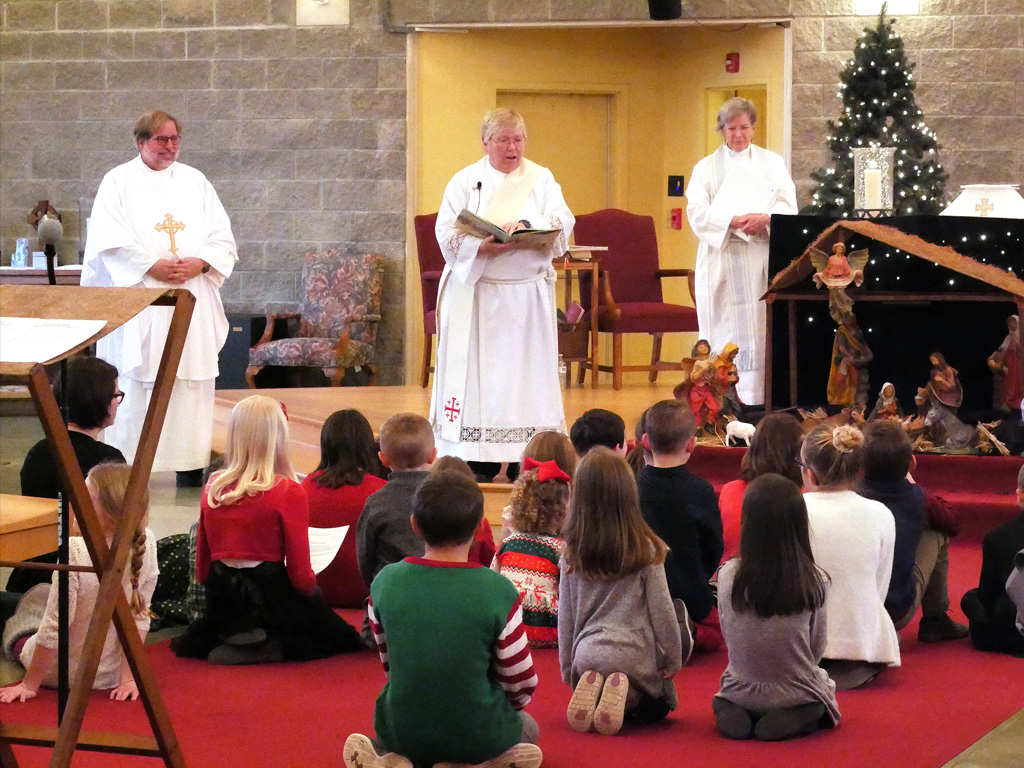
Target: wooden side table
{"type": "Point", "coordinates": [570, 265]}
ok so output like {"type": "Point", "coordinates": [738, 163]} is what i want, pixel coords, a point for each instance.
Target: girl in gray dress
{"type": "Point", "coordinates": [772, 607]}
{"type": "Point", "coordinates": [619, 640]}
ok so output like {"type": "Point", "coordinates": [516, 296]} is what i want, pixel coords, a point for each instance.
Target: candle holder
{"type": "Point", "coordinates": [872, 181]}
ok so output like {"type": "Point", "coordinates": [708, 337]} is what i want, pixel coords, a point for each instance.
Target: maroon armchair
{"type": "Point", "coordinates": [428, 253]}
{"type": "Point", "coordinates": [631, 300]}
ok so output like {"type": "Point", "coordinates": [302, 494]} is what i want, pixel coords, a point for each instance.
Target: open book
{"type": "Point", "coordinates": [477, 226]}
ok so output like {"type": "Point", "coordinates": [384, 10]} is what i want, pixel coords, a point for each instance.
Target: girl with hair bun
{"type": "Point", "coordinates": [853, 540]}
{"type": "Point", "coordinates": [31, 634]}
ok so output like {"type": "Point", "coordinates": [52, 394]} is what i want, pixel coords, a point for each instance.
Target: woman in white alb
{"type": "Point", "coordinates": [496, 384]}
{"type": "Point", "coordinates": [732, 194]}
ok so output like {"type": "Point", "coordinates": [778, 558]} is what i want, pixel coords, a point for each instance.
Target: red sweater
{"type": "Point", "coordinates": [730, 504]}
{"type": "Point", "coordinates": [269, 526]}
{"type": "Point", "coordinates": [340, 581]}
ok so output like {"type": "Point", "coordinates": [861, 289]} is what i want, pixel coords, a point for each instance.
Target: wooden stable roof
{"type": "Point", "coordinates": [942, 255]}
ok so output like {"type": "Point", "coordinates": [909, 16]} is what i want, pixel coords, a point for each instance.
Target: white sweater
{"type": "Point", "coordinates": [83, 589]}
{"type": "Point", "coordinates": [852, 539]}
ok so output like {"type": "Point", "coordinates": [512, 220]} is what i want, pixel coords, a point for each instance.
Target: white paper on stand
{"type": "Point", "coordinates": [324, 544]}
{"type": "Point", "coordinates": [37, 340]}
{"type": "Point", "coordinates": [743, 192]}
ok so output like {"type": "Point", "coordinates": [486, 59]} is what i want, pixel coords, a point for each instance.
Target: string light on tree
{"type": "Point", "coordinates": [879, 109]}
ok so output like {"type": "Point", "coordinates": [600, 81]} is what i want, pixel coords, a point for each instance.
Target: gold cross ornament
{"type": "Point", "coordinates": [984, 207]}
{"type": "Point", "coordinates": [171, 227]}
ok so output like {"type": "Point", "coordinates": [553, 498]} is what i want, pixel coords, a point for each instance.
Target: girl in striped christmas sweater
{"type": "Point", "coordinates": [529, 556]}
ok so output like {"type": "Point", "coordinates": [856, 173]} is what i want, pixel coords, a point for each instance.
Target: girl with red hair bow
{"type": "Point", "coordinates": [529, 557]}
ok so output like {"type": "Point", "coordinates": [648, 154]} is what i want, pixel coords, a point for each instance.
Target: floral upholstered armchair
{"type": "Point", "coordinates": [338, 315]}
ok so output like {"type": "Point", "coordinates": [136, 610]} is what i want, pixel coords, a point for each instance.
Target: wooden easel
{"type": "Point", "coordinates": [116, 306]}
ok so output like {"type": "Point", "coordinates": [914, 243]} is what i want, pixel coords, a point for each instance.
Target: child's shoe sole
{"type": "Point", "coordinates": [580, 712]}
{"type": "Point", "coordinates": [359, 753]}
{"type": "Point", "coordinates": [612, 707]}
{"type": "Point", "coordinates": [517, 756]}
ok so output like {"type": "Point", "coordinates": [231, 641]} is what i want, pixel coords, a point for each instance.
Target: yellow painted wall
{"type": "Point", "coordinates": [657, 76]}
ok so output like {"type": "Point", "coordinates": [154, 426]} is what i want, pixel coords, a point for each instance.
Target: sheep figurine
{"type": "Point", "coordinates": [738, 430]}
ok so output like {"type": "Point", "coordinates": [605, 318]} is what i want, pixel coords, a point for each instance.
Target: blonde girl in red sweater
{"type": "Point", "coordinates": [252, 554]}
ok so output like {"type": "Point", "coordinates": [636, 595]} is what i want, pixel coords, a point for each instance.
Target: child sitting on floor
{"type": "Point", "coordinates": [31, 633]}
{"type": "Point", "coordinates": [452, 640]}
{"type": "Point", "coordinates": [852, 539]}
{"type": "Point", "coordinates": [337, 490]}
{"type": "Point", "coordinates": [775, 447]}
{"type": "Point", "coordinates": [483, 548]}
{"type": "Point", "coordinates": [529, 557]}
{"type": "Point", "coordinates": [682, 510]}
{"type": "Point", "coordinates": [921, 554]}
{"type": "Point", "coordinates": [543, 446]}
{"type": "Point", "coordinates": [383, 533]}
{"type": "Point", "coordinates": [598, 427]}
{"type": "Point", "coordinates": [772, 604]}
{"type": "Point", "coordinates": [252, 555]}
{"type": "Point", "coordinates": [989, 608]}
{"type": "Point", "coordinates": [618, 636]}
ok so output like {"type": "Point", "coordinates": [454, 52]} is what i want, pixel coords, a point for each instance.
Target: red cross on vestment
{"type": "Point", "coordinates": [451, 409]}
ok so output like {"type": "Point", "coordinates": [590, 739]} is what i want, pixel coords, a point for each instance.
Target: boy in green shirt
{"type": "Point", "coordinates": [452, 639]}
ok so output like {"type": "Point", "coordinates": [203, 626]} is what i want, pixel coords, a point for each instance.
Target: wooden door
{"type": "Point", "coordinates": [571, 134]}
{"type": "Point", "coordinates": [714, 98]}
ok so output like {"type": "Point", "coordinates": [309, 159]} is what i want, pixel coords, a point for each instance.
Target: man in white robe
{"type": "Point", "coordinates": [496, 382]}
{"type": "Point", "coordinates": [159, 223]}
{"type": "Point", "coordinates": [731, 272]}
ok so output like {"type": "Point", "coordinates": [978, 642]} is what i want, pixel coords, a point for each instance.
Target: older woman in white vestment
{"type": "Point", "coordinates": [496, 382]}
{"type": "Point", "coordinates": [731, 197]}
{"type": "Point", "coordinates": [159, 223]}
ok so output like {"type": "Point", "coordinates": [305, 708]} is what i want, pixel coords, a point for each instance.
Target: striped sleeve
{"type": "Point", "coordinates": [513, 663]}
{"type": "Point", "coordinates": [378, 634]}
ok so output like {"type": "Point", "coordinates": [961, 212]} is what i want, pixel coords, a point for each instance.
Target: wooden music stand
{"type": "Point", "coordinates": [116, 306]}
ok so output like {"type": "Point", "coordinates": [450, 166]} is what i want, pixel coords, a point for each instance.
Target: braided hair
{"type": "Point", "coordinates": [109, 483]}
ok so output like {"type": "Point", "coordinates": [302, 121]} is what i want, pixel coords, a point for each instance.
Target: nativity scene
{"type": "Point", "coordinates": [897, 305]}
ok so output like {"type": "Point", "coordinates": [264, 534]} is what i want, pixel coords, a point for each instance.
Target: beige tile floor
{"type": "Point", "coordinates": [173, 510]}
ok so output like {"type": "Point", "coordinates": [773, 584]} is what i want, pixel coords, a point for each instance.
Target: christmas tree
{"type": "Point", "coordinates": [879, 110]}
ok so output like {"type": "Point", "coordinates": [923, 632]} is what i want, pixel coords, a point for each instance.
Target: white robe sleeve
{"type": "Point", "coordinates": [556, 213]}
{"type": "Point", "coordinates": [219, 250]}
{"type": "Point", "coordinates": [113, 255]}
{"type": "Point", "coordinates": [711, 227]}
{"type": "Point", "coordinates": [459, 249]}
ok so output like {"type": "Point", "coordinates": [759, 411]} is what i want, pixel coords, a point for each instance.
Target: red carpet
{"type": "Point", "coordinates": [943, 699]}
{"type": "Point", "coordinates": [981, 488]}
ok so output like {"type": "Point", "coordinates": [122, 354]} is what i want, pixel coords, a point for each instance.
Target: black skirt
{"type": "Point", "coordinates": [244, 599]}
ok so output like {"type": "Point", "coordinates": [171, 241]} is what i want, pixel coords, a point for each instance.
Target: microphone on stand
{"type": "Point", "coordinates": [50, 232]}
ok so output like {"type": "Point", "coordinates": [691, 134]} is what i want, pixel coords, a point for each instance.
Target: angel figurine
{"type": "Point", "coordinates": [836, 272]}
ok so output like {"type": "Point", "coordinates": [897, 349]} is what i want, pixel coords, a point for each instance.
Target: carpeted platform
{"type": "Point", "coordinates": [981, 488]}
{"type": "Point", "coordinates": [943, 699]}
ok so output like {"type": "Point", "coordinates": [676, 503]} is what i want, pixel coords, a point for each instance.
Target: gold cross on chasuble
{"type": "Point", "coordinates": [171, 227]}
{"type": "Point", "coordinates": [984, 207]}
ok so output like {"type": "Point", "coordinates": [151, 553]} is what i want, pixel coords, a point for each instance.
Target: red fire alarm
{"type": "Point", "coordinates": [676, 218]}
{"type": "Point", "coordinates": [732, 63]}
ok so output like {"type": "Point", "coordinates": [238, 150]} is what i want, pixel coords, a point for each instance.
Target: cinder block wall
{"type": "Point", "coordinates": [303, 130]}
{"type": "Point", "coordinates": [969, 56]}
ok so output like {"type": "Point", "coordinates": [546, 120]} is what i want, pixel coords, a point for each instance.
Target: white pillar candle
{"type": "Point", "coordinates": [873, 188]}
